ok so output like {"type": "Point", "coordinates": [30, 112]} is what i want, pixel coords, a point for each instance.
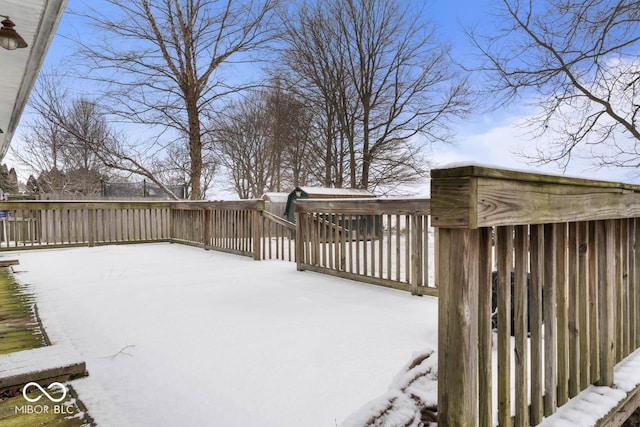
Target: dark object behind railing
{"type": "Point", "coordinates": [494, 302]}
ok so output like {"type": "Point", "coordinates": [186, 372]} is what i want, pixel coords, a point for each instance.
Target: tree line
{"type": "Point", "coordinates": [347, 93]}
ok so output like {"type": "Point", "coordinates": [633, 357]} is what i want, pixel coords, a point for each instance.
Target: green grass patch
{"type": "Point", "coordinates": [19, 328]}
{"type": "Point", "coordinates": [16, 411]}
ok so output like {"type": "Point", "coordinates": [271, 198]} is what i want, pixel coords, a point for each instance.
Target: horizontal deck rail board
{"type": "Point", "coordinates": [289, 225]}
{"type": "Point", "coordinates": [228, 205]}
{"type": "Point", "coordinates": [44, 246]}
{"type": "Point", "coordinates": [210, 247]}
{"type": "Point", "coordinates": [618, 415]}
{"type": "Point", "coordinates": [426, 291]}
{"type": "Point", "coordinates": [365, 206]}
{"type": "Point", "coordinates": [483, 199]}
{"type": "Point", "coordinates": [80, 204]}
{"type": "Point", "coordinates": [531, 177]}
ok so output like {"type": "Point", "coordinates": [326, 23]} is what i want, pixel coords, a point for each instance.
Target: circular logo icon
{"type": "Point", "coordinates": [51, 386]}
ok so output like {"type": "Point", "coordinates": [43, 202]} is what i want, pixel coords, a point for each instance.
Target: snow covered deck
{"type": "Point", "coordinates": [175, 335]}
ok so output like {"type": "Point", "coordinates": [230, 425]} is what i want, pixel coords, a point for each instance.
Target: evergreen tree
{"type": "Point", "coordinates": [11, 185]}
{"type": "Point", "coordinates": [32, 185]}
{"type": "Point", "coordinates": [4, 177]}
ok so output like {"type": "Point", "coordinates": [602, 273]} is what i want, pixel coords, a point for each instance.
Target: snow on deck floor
{"type": "Point", "coordinates": [175, 335]}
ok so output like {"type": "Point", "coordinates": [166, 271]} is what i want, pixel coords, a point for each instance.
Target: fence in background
{"type": "Point", "coordinates": [380, 241]}
{"type": "Point", "coordinates": [569, 247]}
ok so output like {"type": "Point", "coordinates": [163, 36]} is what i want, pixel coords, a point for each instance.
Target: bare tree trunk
{"type": "Point", "coordinates": [195, 151]}
{"type": "Point", "coordinates": [328, 160]}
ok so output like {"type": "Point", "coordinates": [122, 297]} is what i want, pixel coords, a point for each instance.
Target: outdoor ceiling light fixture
{"type": "Point", "coordinates": [9, 38]}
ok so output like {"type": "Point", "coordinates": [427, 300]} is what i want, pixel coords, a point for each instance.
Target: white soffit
{"type": "Point", "coordinates": [36, 21]}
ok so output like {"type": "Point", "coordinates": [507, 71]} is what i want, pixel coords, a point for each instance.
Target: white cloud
{"type": "Point", "coordinates": [501, 146]}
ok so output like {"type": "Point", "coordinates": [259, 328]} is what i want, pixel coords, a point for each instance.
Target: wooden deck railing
{"type": "Point", "coordinates": [229, 226]}
{"type": "Point", "coordinates": [379, 241]}
{"type": "Point", "coordinates": [278, 237]}
{"type": "Point", "coordinates": [569, 245]}
{"type": "Point", "coordinates": [240, 227]}
{"type": "Point", "coordinates": [37, 224]}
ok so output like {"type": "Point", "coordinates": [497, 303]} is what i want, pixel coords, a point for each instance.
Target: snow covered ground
{"type": "Point", "coordinates": [175, 335]}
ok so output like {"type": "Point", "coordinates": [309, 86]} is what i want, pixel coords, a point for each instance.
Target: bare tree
{"type": "Point", "coordinates": [264, 142]}
{"type": "Point", "coordinates": [292, 135]}
{"type": "Point", "coordinates": [63, 156]}
{"type": "Point", "coordinates": [242, 137]}
{"type": "Point", "coordinates": [175, 167]}
{"type": "Point", "coordinates": [40, 148]}
{"type": "Point", "coordinates": [74, 130]}
{"type": "Point", "coordinates": [579, 60]}
{"type": "Point", "coordinates": [315, 66]}
{"type": "Point", "coordinates": [161, 63]}
{"type": "Point", "coordinates": [383, 76]}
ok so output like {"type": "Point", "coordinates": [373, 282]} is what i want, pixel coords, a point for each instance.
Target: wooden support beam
{"type": "Point", "coordinates": [458, 342]}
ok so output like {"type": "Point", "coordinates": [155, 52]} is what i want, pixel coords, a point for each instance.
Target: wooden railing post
{"type": "Point", "coordinates": [606, 313]}
{"type": "Point", "coordinates": [206, 228]}
{"type": "Point", "coordinates": [171, 220]}
{"type": "Point", "coordinates": [256, 229]}
{"type": "Point", "coordinates": [436, 256]}
{"type": "Point", "coordinates": [458, 341]}
{"type": "Point", "coordinates": [504, 258]}
{"type": "Point", "coordinates": [550, 312]}
{"type": "Point", "coordinates": [635, 286]}
{"type": "Point", "coordinates": [415, 269]}
{"type": "Point", "coordinates": [485, 333]}
{"type": "Point", "coordinates": [300, 243]}
{"type": "Point", "coordinates": [91, 226]}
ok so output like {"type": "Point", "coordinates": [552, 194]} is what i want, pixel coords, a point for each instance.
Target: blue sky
{"type": "Point", "coordinates": [490, 138]}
